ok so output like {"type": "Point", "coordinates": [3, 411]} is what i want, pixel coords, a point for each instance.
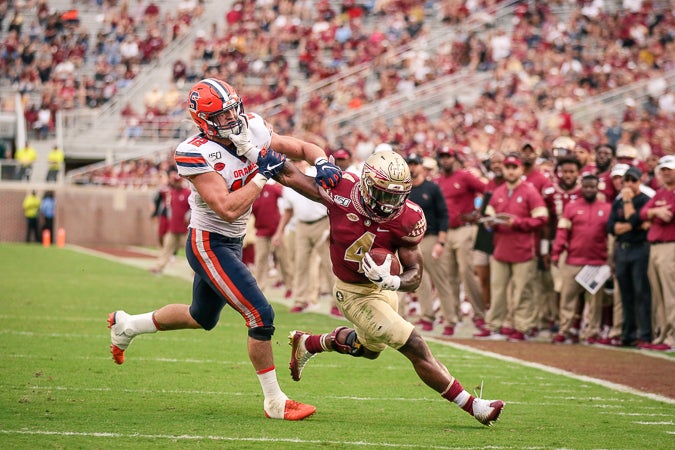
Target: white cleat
{"type": "Point", "coordinates": [487, 411]}
{"type": "Point", "coordinates": [118, 339]}
{"type": "Point", "coordinates": [299, 354]}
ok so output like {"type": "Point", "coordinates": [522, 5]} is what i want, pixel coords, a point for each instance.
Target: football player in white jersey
{"type": "Point", "coordinates": [227, 163]}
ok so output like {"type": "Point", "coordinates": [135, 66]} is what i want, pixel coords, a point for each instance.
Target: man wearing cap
{"type": "Point", "coordinates": [631, 258]}
{"type": "Point", "coordinates": [516, 211]}
{"type": "Point", "coordinates": [484, 245]}
{"type": "Point", "coordinates": [429, 197]}
{"type": "Point", "coordinates": [581, 232]}
{"type": "Point", "coordinates": [343, 159]}
{"type": "Point", "coordinates": [460, 188]}
{"type": "Point", "coordinates": [627, 154]}
{"type": "Point", "coordinates": [661, 236]}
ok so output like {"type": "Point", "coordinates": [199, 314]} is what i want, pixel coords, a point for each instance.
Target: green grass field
{"type": "Point", "coordinates": [196, 389]}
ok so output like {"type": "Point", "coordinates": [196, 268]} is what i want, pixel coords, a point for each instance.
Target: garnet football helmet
{"type": "Point", "coordinates": [385, 183]}
{"type": "Point", "coordinates": [216, 108]}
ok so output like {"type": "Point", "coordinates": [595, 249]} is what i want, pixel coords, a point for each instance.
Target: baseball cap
{"type": "Point", "coordinates": [512, 160]}
{"type": "Point", "coordinates": [447, 151]}
{"type": "Point", "coordinates": [626, 151]}
{"type": "Point", "coordinates": [619, 170]}
{"type": "Point", "coordinates": [342, 154]}
{"type": "Point", "coordinates": [413, 158]}
{"type": "Point", "coordinates": [633, 172]}
{"type": "Point", "coordinates": [667, 162]}
{"type": "Point", "coordinates": [429, 163]}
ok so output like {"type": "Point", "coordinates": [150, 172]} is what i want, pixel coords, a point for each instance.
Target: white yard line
{"type": "Point", "coordinates": [190, 437]}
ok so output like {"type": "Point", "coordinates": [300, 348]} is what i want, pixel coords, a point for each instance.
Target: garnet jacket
{"type": "Point", "coordinates": [581, 231]}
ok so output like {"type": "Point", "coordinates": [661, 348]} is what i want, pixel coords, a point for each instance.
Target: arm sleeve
{"type": "Point", "coordinates": [441, 209]}
{"type": "Point", "coordinates": [612, 218]}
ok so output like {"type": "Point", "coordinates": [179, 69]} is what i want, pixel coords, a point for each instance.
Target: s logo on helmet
{"type": "Point", "coordinates": [192, 103]}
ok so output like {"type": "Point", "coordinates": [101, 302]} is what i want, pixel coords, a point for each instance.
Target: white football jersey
{"type": "Point", "coordinates": [196, 155]}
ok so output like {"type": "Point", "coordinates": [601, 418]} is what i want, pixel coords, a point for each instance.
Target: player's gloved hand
{"type": "Point", "coordinates": [327, 173]}
{"type": "Point", "coordinates": [270, 162]}
{"type": "Point", "coordinates": [242, 140]}
{"type": "Point", "coordinates": [380, 275]}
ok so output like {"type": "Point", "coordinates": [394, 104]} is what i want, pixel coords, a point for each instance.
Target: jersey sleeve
{"type": "Point", "coordinates": [414, 225]}
{"type": "Point", "coordinates": [190, 159]}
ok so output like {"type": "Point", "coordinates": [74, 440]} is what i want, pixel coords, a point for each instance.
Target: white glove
{"type": "Point", "coordinates": [243, 142]}
{"type": "Point", "coordinates": [380, 275]}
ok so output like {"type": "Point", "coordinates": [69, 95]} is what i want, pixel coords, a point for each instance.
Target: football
{"type": "Point", "coordinates": [379, 254]}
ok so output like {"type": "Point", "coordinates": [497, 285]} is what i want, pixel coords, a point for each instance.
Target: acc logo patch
{"type": "Point", "coordinates": [352, 217]}
{"type": "Point", "coordinates": [219, 166]}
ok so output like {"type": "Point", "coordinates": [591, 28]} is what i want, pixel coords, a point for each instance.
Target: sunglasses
{"type": "Point", "coordinates": [631, 179]}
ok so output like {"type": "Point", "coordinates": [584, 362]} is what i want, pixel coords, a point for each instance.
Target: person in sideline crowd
{"type": "Point", "coordinates": [310, 248]}
{"type": "Point", "coordinates": [659, 211]}
{"type": "Point", "coordinates": [31, 209]}
{"type": "Point", "coordinates": [428, 196]}
{"type": "Point", "coordinates": [515, 213]}
{"type": "Point", "coordinates": [581, 232]}
{"type": "Point", "coordinates": [55, 159]}
{"type": "Point", "coordinates": [178, 218]}
{"type": "Point", "coordinates": [631, 260]}
{"type": "Point", "coordinates": [47, 210]}
{"type": "Point", "coordinates": [267, 216]}
{"type": "Point", "coordinates": [25, 157]}
{"type": "Point", "coordinates": [460, 189]}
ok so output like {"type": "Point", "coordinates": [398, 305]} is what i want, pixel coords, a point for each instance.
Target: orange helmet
{"type": "Point", "coordinates": [208, 99]}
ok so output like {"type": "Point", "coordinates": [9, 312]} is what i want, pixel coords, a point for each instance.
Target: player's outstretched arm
{"type": "Point", "coordinates": [292, 177]}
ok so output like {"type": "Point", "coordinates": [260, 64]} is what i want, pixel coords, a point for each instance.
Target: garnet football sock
{"type": "Point", "coordinates": [456, 393]}
{"type": "Point", "coordinates": [313, 343]}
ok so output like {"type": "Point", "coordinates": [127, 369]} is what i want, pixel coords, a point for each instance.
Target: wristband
{"type": "Point", "coordinates": [544, 246]}
{"type": "Point", "coordinates": [259, 180]}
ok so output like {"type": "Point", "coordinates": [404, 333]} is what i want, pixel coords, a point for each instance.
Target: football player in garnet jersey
{"type": "Point", "coordinates": [366, 213]}
{"type": "Point", "coordinates": [227, 164]}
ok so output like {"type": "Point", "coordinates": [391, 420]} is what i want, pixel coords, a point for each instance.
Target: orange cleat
{"type": "Point", "coordinates": [119, 341]}
{"type": "Point", "coordinates": [293, 411]}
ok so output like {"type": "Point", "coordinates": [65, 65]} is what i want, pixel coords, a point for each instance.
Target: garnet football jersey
{"type": "Point", "coordinates": [353, 231]}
